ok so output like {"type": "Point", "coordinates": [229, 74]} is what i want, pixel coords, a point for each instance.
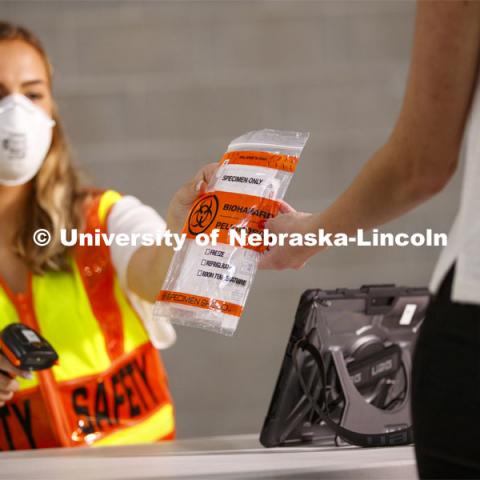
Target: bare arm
{"type": "Point", "coordinates": [422, 152]}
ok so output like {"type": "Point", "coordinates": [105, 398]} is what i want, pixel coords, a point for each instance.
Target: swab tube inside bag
{"type": "Point", "coordinates": [207, 285]}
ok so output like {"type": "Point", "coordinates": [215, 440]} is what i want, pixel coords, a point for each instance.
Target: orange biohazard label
{"type": "Point", "coordinates": [202, 215]}
{"type": "Point", "coordinates": [200, 302]}
{"type": "Point", "coordinates": [287, 163]}
{"type": "Point", "coordinates": [225, 211]}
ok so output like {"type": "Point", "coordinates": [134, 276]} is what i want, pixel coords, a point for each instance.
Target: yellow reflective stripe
{"type": "Point", "coordinates": [8, 312]}
{"type": "Point", "coordinates": [109, 198]}
{"type": "Point", "coordinates": [9, 315]}
{"type": "Point", "coordinates": [25, 383]}
{"type": "Point", "coordinates": [155, 427]}
{"type": "Point", "coordinates": [66, 320]}
{"type": "Point", "coordinates": [134, 334]}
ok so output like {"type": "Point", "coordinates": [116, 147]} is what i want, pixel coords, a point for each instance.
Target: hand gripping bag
{"type": "Point", "coordinates": [207, 285]}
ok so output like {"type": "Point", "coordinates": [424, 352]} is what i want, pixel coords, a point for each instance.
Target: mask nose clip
{"type": "Point", "coordinates": [17, 100]}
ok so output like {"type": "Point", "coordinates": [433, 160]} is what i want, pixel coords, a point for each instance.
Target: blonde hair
{"type": "Point", "coordinates": [57, 195]}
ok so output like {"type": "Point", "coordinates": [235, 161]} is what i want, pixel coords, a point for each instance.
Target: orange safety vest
{"type": "Point", "coordinates": [110, 386]}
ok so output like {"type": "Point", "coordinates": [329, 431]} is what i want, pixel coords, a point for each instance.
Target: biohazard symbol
{"type": "Point", "coordinates": [203, 214]}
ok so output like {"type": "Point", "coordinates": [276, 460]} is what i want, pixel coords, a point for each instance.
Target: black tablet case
{"type": "Point", "coordinates": [339, 314]}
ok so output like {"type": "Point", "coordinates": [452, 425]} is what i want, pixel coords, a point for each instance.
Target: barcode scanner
{"type": "Point", "coordinates": [26, 349]}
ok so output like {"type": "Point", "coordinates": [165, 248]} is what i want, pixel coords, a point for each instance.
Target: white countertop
{"type": "Point", "coordinates": [228, 457]}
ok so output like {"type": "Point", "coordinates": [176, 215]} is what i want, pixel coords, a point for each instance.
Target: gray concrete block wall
{"type": "Point", "coordinates": [150, 91]}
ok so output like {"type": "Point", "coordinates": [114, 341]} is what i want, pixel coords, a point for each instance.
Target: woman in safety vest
{"type": "Point", "coordinates": [109, 386]}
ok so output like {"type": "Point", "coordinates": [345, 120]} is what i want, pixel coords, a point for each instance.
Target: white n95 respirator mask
{"type": "Point", "coordinates": [25, 138]}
